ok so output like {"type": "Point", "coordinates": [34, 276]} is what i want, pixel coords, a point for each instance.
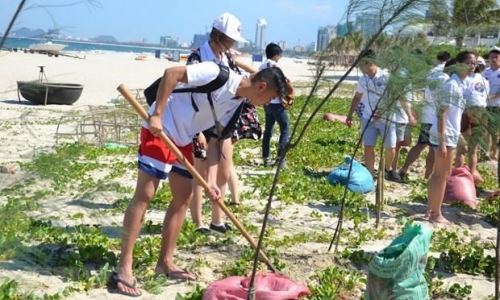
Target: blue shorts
{"type": "Point", "coordinates": [375, 128]}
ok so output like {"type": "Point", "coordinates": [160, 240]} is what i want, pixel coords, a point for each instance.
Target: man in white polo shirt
{"type": "Point", "coordinates": [492, 75]}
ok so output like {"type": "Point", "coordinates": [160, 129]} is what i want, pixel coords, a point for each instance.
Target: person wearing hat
{"type": "Point", "coordinates": [492, 75]}
{"type": "Point", "coordinates": [226, 30]}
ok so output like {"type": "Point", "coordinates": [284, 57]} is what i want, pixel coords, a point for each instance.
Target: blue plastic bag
{"type": "Point", "coordinates": [360, 181]}
{"type": "Point", "coordinates": [397, 272]}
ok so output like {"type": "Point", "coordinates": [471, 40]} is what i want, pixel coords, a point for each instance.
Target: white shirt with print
{"type": "Point", "coordinates": [451, 96]}
{"type": "Point", "coordinates": [372, 89]}
{"type": "Point", "coordinates": [493, 78]}
{"type": "Point", "coordinates": [435, 79]}
{"type": "Point", "coordinates": [477, 90]}
{"type": "Point", "coordinates": [181, 122]}
{"type": "Point", "coordinates": [268, 64]}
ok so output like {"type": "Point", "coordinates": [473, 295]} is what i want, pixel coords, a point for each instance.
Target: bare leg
{"type": "Point", "coordinates": [437, 185]}
{"type": "Point", "coordinates": [181, 194]}
{"type": "Point", "coordinates": [223, 174]}
{"type": "Point", "coordinates": [461, 150]}
{"type": "Point", "coordinates": [196, 204]}
{"type": "Point", "coordinates": [132, 222]}
{"type": "Point", "coordinates": [394, 165]}
{"type": "Point", "coordinates": [389, 154]}
{"type": "Point", "coordinates": [370, 159]}
{"type": "Point", "coordinates": [429, 163]}
{"type": "Point", "coordinates": [413, 155]}
{"type": "Point", "coordinates": [233, 186]}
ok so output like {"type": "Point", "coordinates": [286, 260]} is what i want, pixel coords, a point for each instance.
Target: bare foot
{"type": "Point", "coordinates": [428, 213]}
{"type": "Point", "coordinates": [437, 218]}
{"type": "Point", "coordinates": [123, 282]}
{"type": "Point", "coordinates": [174, 273]}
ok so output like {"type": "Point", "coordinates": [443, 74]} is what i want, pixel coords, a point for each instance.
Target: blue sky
{"type": "Point", "coordinates": [126, 20]}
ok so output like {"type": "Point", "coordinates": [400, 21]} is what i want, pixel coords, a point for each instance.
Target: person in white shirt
{"type": "Point", "coordinates": [377, 118]}
{"type": "Point", "coordinates": [492, 75]}
{"type": "Point", "coordinates": [445, 132]}
{"type": "Point", "coordinates": [436, 78]}
{"type": "Point", "coordinates": [225, 32]}
{"type": "Point", "coordinates": [472, 125]}
{"type": "Point", "coordinates": [173, 114]}
{"type": "Point", "coordinates": [275, 112]}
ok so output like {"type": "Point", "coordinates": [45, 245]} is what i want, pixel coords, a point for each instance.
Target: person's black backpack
{"type": "Point", "coordinates": [221, 79]}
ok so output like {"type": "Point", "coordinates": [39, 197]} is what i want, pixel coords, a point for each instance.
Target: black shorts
{"type": "Point", "coordinates": [423, 137]}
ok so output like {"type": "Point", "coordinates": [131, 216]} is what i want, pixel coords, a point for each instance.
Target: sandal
{"type": "Point", "coordinates": [113, 288]}
{"type": "Point", "coordinates": [181, 275]}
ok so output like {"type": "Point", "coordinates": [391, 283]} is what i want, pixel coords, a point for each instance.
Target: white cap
{"type": "Point", "coordinates": [494, 49]}
{"type": "Point", "coordinates": [480, 61]}
{"type": "Point", "coordinates": [230, 26]}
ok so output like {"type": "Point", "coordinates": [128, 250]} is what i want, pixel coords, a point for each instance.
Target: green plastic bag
{"type": "Point", "coordinates": [397, 272]}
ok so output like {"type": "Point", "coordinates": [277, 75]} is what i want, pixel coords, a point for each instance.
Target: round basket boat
{"type": "Point", "coordinates": [45, 93]}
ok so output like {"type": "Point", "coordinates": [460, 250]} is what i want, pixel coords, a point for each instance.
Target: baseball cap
{"type": "Point", "coordinates": [480, 61]}
{"type": "Point", "coordinates": [230, 26]}
{"type": "Point", "coordinates": [494, 49]}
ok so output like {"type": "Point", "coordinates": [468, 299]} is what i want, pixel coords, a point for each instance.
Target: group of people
{"type": "Point", "coordinates": [460, 108]}
{"type": "Point", "coordinates": [197, 120]}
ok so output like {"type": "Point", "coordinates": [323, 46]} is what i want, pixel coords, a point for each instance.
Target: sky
{"type": "Point", "coordinates": [293, 21]}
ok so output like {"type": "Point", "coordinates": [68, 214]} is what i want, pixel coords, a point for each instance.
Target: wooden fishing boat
{"type": "Point", "coordinates": [38, 92]}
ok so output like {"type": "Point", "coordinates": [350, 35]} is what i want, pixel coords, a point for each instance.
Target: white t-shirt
{"type": "Point", "coordinates": [493, 77]}
{"type": "Point", "coordinates": [207, 54]}
{"type": "Point", "coordinates": [268, 64]}
{"type": "Point", "coordinates": [181, 122]}
{"type": "Point", "coordinates": [400, 116]}
{"type": "Point", "coordinates": [372, 89]}
{"type": "Point", "coordinates": [452, 96]}
{"type": "Point", "coordinates": [477, 90]}
{"type": "Point", "coordinates": [436, 79]}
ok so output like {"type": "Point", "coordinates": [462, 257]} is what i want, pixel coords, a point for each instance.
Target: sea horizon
{"type": "Point", "coordinates": [21, 43]}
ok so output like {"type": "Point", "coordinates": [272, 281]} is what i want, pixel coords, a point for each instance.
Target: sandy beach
{"type": "Point", "coordinates": [28, 130]}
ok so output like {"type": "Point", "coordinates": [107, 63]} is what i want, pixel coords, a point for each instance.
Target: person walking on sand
{"type": "Point", "coordinates": [274, 112]}
{"type": "Point", "coordinates": [225, 32]}
{"type": "Point", "coordinates": [445, 132]}
{"type": "Point", "coordinates": [173, 114]}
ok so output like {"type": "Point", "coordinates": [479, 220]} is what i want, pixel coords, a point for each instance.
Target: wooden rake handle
{"type": "Point", "coordinates": [144, 115]}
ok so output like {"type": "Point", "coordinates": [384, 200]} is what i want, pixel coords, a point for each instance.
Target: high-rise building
{"type": "Point", "coordinates": [344, 29]}
{"type": "Point", "coordinates": [199, 39]}
{"type": "Point", "coordinates": [325, 34]}
{"type": "Point", "coordinates": [169, 42]}
{"type": "Point", "coordinates": [282, 45]}
{"type": "Point", "coordinates": [260, 42]}
{"type": "Point", "coordinates": [367, 24]}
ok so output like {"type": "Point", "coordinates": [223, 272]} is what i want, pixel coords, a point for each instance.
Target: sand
{"type": "Point", "coordinates": [28, 130]}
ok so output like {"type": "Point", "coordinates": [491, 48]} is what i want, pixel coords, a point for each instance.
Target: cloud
{"type": "Point", "coordinates": [304, 10]}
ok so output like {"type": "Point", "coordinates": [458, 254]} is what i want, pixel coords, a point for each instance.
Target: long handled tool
{"type": "Point", "coordinates": [140, 110]}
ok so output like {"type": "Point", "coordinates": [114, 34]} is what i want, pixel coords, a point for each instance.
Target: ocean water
{"type": "Point", "coordinates": [75, 46]}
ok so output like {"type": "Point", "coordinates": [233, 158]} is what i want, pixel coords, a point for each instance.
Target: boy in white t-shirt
{"type": "Point", "coordinates": [173, 113]}
{"type": "Point", "coordinates": [275, 113]}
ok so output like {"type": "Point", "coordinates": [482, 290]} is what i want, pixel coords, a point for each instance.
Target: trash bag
{"type": "Point", "coordinates": [267, 287]}
{"type": "Point", "coordinates": [460, 187]}
{"type": "Point", "coordinates": [397, 272]}
{"type": "Point", "coordinates": [360, 181]}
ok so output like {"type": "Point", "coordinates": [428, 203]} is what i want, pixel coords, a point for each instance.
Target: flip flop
{"type": "Point", "coordinates": [113, 288]}
{"type": "Point", "coordinates": [177, 275]}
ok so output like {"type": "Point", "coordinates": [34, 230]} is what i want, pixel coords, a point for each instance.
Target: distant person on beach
{"type": "Point", "coordinates": [445, 131]}
{"type": "Point", "coordinates": [226, 30]}
{"type": "Point", "coordinates": [436, 79]}
{"type": "Point", "coordinates": [173, 114]}
{"type": "Point", "coordinates": [274, 112]}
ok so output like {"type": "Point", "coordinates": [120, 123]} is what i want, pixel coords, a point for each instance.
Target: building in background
{"type": "Point", "coordinates": [260, 28]}
{"type": "Point", "coordinates": [367, 24]}
{"type": "Point", "coordinates": [325, 35]}
{"type": "Point", "coordinates": [169, 42]}
{"type": "Point", "coordinates": [200, 39]}
{"type": "Point", "coordinates": [344, 29]}
{"type": "Point", "coordinates": [282, 45]}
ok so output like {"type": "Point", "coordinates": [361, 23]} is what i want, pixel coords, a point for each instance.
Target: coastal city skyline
{"type": "Point", "coordinates": [295, 25]}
